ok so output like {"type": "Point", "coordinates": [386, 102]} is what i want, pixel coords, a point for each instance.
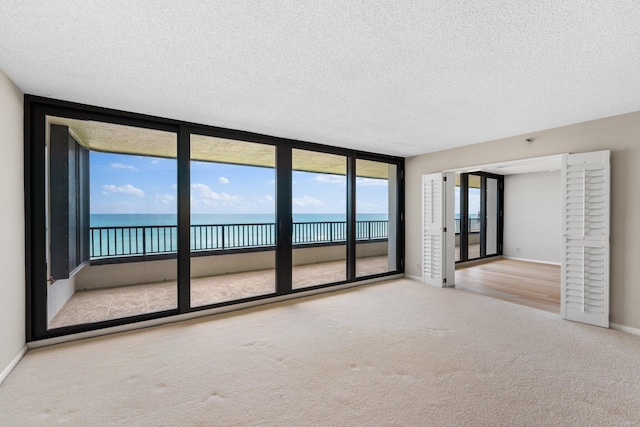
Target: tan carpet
{"type": "Point", "coordinates": [397, 353]}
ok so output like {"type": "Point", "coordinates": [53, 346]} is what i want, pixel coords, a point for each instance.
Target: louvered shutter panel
{"type": "Point", "coordinates": [585, 238]}
{"type": "Point", "coordinates": [432, 233]}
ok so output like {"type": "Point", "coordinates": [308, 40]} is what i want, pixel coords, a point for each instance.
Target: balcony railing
{"type": "Point", "coordinates": [474, 225]}
{"type": "Point", "coordinates": [163, 239]}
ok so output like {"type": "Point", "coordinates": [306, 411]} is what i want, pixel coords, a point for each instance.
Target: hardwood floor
{"type": "Point", "coordinates": [525, 283]}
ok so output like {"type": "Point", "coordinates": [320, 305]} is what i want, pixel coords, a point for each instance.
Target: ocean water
{"type": "Point", "coordinates": [217, 231]}
{"type": "Point", "coordinates": [124, 220]}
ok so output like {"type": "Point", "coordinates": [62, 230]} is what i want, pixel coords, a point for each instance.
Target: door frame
{"type": "Point", "coordinates": [36, 110]}
{"type": "Point", "coordinates": [558, 162]}
{"type": "Point", "coordinates": [464, 215]}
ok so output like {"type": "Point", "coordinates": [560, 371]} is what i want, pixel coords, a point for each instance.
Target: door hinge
{"type": "Point", "coordinates": [444, 230]}
{"type": "Point", "coordinates": [402, 216]}
{"type": "Point", "coordinates": [444, 281]}
{"type": "Point", "coordinates": [445, 179]}
{"type": "Point", "coordinates": [401, 174]}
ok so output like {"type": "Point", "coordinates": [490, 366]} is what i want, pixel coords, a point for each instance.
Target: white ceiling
{"type": "Point", "coordinates": [389, 76]}
{"type": "Point", "coordinates": [517, 167]}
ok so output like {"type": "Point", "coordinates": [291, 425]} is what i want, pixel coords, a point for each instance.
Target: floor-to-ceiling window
{"type": "Point", "coordinates": [111, 221]}
{"type": "Point", "coordinates": [376, 197]}
{"type": "Point", "coordinates": [478, 210]}
{"type": "Point", "coordinates": [232, 233]}
{"type": "Point", "coordinates": [319, 212]}
{"type": "Point", "coordinates": [131, 218]}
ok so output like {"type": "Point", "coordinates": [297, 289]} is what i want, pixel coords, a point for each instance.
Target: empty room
{"type": "Point", "coordinates": [319, 213]}
{"type": "Point", "coordinates": [513, 253]}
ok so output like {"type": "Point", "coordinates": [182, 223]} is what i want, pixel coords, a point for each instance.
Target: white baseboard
{"type": "Point", "coordinates": [408, 276]}
{"type": "Point", "coordinates": [627, 329]}
{"type": "Point", "coordinates": [13, 364]}
{"type": "Point", "coordinates": [537, 261]}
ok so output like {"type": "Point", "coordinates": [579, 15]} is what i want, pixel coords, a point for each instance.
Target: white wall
{"type": "Point", "coordinates": [620, 134]}
{"type": "Point", "coordinates": [12, 261]}
{"type": "Point", "coordinates": [58, 293]}
{"type": "Point", "coordinates": [532, 220]}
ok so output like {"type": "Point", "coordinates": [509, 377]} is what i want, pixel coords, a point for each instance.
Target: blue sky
{"type": "Point", "coordinates": [138, 184]}
{"type": "Point", "coordinates": [474, 201]}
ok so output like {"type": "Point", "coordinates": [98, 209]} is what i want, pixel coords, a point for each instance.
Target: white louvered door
{"type": "Point", "coordinates": [585, 237]}
{"type": "Point", "coordinates": [438, 245]}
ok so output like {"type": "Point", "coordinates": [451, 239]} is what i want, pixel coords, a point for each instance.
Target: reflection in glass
{"type": "Point", "coordinates": [376, 202]}
{"type": "Point", "coordinates": [232, 235]}
{"type": "Point", "coordinates": [319, 218]}
{"type": "Point", "coordinates": [492, 216]}
{"type": "Point", "coordinates": [111, 235]}
{"type": "Point", "coordinates": [474, 212]}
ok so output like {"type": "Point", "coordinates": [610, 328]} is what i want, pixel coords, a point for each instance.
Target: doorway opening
{"type": "Point", "coordinates": [584, 214]}
{"type": "Point", "coordinates": [510, 248]}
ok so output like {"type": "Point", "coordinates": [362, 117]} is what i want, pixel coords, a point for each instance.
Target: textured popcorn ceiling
{"type": "Point", "coordinates": [395, 77]}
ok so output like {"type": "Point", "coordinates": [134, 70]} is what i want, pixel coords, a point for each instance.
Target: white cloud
{"type": "Point", "coordinates": [154, 161]}
{"type": "Point", "coordinates": [202, 196]}
{"type": "Point", "coordinates": [121, 166]}
{"type": "Point", "coordinates": [166, 199]}
{"type": "Point", "coordinates": [331, 179]}
{"type": "Point", "coordinates": [124, 189]}
{"type": "Point", "coordinates": [361, 204]}
{"type": "Point", "coordinates": [223, 180]}
{"type": "Point", "coordinates": [306, 201]}
{"type": "Point", "coordinates": [266, 200]}
{"type": "Point", "coordinates": [367, 182]}
{"type": "Point", "coordinates": [206, 192]}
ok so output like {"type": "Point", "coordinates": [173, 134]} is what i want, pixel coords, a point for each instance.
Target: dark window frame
{"type": "Point", "coordinates": [464, 215]}
{"type": "Point", "coordinates": [37, 108]}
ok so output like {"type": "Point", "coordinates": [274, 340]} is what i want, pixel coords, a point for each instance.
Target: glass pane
{"type": "Point", "coordinates": [319, 218]}
{"type": "Point", "coordinates": [232, 233]}
{"type": "Point", "coordinates": [112, 217]}
{"type": "Point", "coordinates": [376, 207]}
{"type": "Point", "coordinates": [474, 216]}
{"type": "Point", "coordinates": [492, 216]}
{"type": "Point", "coordinates": [457, 216]}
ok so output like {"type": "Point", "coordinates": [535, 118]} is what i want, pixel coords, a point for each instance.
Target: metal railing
{"type": "Point", "coordinates": [474, 225]}
{"type": "Point", "coordinates": [119, 241]}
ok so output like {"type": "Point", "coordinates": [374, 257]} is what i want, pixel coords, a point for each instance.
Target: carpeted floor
{"type": "Point", "coordinates": [396, 353]}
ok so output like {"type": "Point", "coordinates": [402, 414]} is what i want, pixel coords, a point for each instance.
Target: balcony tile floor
{"type": "Point", "coordinates": [104, 304]}
{"type": "Point", "coordinates": [474, 252]}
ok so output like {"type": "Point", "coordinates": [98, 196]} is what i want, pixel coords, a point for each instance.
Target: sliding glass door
{"type": "Point", "coordinates": [132, 218]}
{"type": "Point", "coordinates": [319, 212]}
{"type": "Point", "coordinates": [232, 232]}
{"type": "Point", "coordinates": [111, 221]}
{"type": "Point", "coordinates": [376, 217]}
{"type": "Point", "coordinates": [478, 206]}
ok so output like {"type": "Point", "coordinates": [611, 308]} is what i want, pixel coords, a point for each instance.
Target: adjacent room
{"type": "Point", "coordinates": [319, 213]}
{"type": "Point", "coordinates": [521, 257]}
